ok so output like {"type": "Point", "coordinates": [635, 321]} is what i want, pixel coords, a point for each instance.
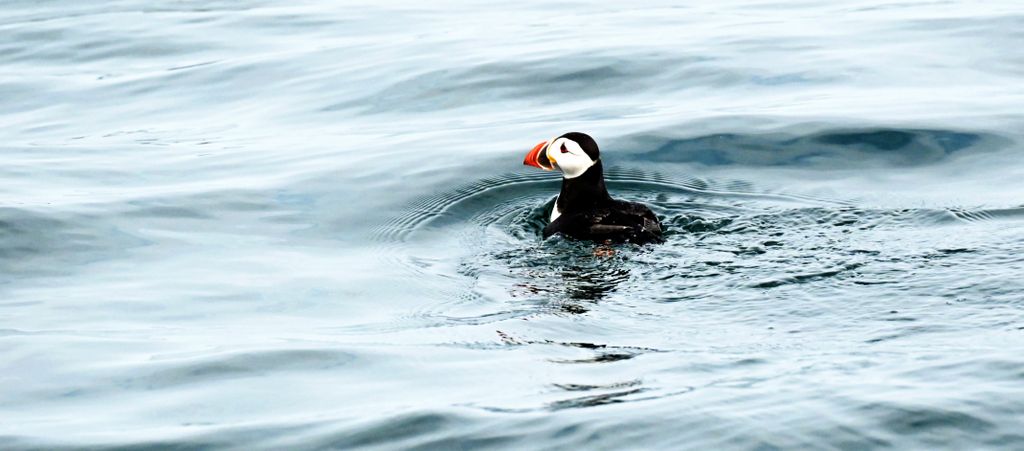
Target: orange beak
{"type": "Point", "coordinates": [538, 157]}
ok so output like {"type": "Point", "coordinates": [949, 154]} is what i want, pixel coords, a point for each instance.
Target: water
{"type": "Point", "coordinates": [254, 224]}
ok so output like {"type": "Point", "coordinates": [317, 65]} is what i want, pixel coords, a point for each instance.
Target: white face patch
{"type": "Point", "coordinates": [569, 157]}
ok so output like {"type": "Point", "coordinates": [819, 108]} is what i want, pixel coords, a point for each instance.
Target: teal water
{"type": "Point", "coordinates": [291, 225]}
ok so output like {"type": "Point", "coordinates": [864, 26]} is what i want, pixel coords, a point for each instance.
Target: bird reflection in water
{"type": "Point", "coordinates": [575, 279]}
{"type": "Point", "coordinates": [589, 285]}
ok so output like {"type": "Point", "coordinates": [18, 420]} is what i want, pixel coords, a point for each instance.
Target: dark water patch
{"type": "Point", "coordinates": [211, 206]}
{"type": "Point", "coordinates": [63, 240]}
{"type": "Point", "coordinates": [686, 223]}
{"type": "Point", "coordinates": [934, 422]}
{"type": "Point", "coordinates": [586, 387]}
{"type": "Point", "coordinates": [48, 43]}
{"type": "Point", "coordinates": [594, 400]}
{"type": "Point", "coordinates": [428, 431]}
{"type": "Point", "coordinates": [601, 357]}
{"type": "Point", "coordinates": [976, 369]}
{"type": "Point", "coordinates": [598, 353]}
{"type": "Point", "coordinates": [239, 365]}
{"type": "Point", "coordinates": [908, 331]}
{"type": "Point", "coordinates": [48, 243]}
{"type": "Point", "coordinates": [837, 147]}
{"type": "Point", "coordinates": [988, 214]}
{"type": "Point", "coordinates": [806, 277]}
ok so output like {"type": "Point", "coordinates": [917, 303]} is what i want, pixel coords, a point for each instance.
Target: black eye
{"type": "Point", "coordinates": [564, 150]}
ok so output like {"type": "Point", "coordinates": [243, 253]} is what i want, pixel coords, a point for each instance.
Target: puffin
{"type": "Point", "coordinates": [584, 210]}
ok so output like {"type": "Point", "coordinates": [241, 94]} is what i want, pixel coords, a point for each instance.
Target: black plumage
{"type": "Point", "coordinates": [588, 212]}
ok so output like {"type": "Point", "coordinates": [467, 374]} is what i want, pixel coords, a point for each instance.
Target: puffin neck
{"type": "Point", "coordinates": [585, 191]}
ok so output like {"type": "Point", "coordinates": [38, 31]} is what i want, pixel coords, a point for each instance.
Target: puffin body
{"type": "Point", "coordinates": [584, 209]}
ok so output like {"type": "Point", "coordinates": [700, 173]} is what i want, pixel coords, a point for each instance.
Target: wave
{"type": "Point", "coordinates": [838, 148]}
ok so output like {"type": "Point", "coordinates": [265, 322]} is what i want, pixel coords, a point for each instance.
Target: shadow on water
{"type": "Point", "coordinates": [49, 243]}
{"type": "Point", "coordinates": [834, 147]}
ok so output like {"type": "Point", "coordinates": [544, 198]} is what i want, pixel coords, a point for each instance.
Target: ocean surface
{"type": "Point", "coordinates": [306, 225]}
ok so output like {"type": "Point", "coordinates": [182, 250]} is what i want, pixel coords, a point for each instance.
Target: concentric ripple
{"type": "Point", "coordinates": [478, 253]}
{"type": "Point", "coordinates": [477, 249]}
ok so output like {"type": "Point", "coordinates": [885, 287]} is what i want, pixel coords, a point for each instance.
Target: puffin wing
{"type": "Point", "coordinates": [640, 222]}
{"type": "Point", "coordinates": [626, 222]}
{"type": "Point", "coordinates": [587, 227]}
{"type": "Point", "coordinates": [600, 230]}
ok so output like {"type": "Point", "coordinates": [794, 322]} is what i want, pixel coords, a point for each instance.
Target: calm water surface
{"type": "Point", "coordinates": [291, 225]}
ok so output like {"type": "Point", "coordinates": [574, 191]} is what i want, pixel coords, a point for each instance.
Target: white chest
{"type": "Point", "coordinates": [554, 212]}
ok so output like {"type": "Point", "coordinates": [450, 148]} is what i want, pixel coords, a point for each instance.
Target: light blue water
{"type": "Point", "coordinates": [291, 225]}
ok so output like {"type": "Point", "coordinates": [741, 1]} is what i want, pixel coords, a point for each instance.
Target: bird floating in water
{"type": "Point", "coordinates": [584, 210]}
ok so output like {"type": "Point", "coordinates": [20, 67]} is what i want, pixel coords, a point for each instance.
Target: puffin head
{"type": "Point", "coordinates": [572, 153]}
